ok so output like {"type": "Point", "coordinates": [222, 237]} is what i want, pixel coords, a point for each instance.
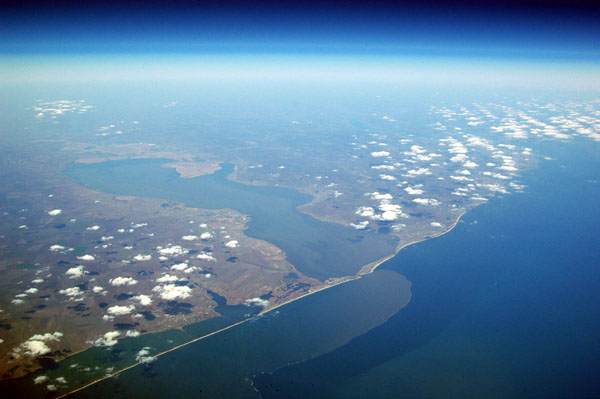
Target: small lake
{"type": "Point", "coordinates": [317, 249]}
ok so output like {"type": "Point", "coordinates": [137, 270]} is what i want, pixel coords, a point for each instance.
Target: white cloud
{"type": "Point", "coordinates": [378, 154]}
{"type": "Point", "coordinates": [143, 356]}
{"type": "Point", "coordinates": [141, 258]}
{"type": "Point", "coordinates": [387, 167]}
{"type": "Point", "coordinates": [61, 380]}
{"type": "Point", "coordinates": [31, 291]}
{"type": "Point", "coordinates": [40, 379]}
{"type": "Point", "coordinates": [55, 212]}
{"type": "Point", "coordinates": [37, 281]}
{"type": "Point", "coordinates": [86, 257]}
{"type": "Point", "coordinates": [108, 339]}
{"type": "Point", "coordinates": [380, 196]}
{"type": "Point", "coordinates": [174, 250]}
{"type": "Point", "coordinates": [75, 272]}
{"type": "Point", "coordinates": [171, 291]}
{"type": "Point", "coordinates": [232, 244]}
{"type": "Point", "coordinates": [145, 300]}
{"type": "Point", "coordinates": [426, 201]}
{"type": "Point", "coordinates": [386, 177]}
{"type": "Point", "coordinates": [37, 345]}
{"type": "Point", "coordinates": [413, 191]}
{"type": "Point", "coordinates": [257, 302]}
{"type": "Point", "coordinates": [179, 266]}
{"type": "Point", "coordinates": [122, 281]}
{"type": "Point", "coordinates": [189, 238]}
{"type": "Point", "coordinates": [436, 224]}
{"type": "Point", "coordinates": [205, 256]}
{"type": "Point", "coordinates": [360, 225]}
{"type": "Point", "coordinates": [93, 228]}
{"type": "Point", "coordinates": [205, 236]}
{"type": "Point", "coordinates": [419, 171]}
{"type": "Point", "coordinates": [167, 278]}
{"type": "Point", "coordinates": [71, 292]}
{"type": "Point", "coordinates": [118, 310]}
{"type": "Point", "coordinates": [132, 333]}
{"type": "Point", "coordinates": [99, 290]}
{"type": "Point", "coordinates": [365, 211]}
{"type": "Point", "coordinates": [17, 301]}
{"type": "Point", "coordinates": [56, 248]}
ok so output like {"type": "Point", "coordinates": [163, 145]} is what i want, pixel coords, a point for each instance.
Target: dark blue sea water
{"type": "Point", "coordinates": [506, 305]}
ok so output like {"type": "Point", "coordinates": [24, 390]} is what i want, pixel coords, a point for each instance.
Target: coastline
{"type": "Point", "coordinates": [365, 270]}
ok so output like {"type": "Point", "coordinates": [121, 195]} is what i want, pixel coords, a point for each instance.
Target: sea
{"type": "Point", "coordinates": [505, 305]}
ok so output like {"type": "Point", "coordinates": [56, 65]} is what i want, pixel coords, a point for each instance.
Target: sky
{"type": "Point", "coordinates": [36, 34]}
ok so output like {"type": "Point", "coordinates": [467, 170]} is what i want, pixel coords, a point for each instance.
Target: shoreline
{"type": "Point", "coordinates": [365, 270]}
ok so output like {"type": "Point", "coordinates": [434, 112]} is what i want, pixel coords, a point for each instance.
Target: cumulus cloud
{"type": "Point", "coordinates": [435, 224]}
{"type": "Point", "coordinates": [37, 345]}
{"type": "Point", "coordinates": [40, 379]}
{"type": "Point", "coordinates": [145, 300]}
{"type": "Point", "coordinates": [205, 236]}
{"type": "Point", "coordinates": [360, 225]}
{"type": "Point", "coordinates": [141, 258]}
{"type": "Point", "coordinates": [31, 291]}
{"type": "Point", "coordinates": [167, 278]}
{"type": "Point", "coordinates": [108, 339]}
{"type": "Point", "coordinates": [380, 196]}
{"type": "Point", "coordinates": [57, 248]}
{"type": "Point", "coordinates": [377, 154]}
{"type": "Point", "coordinates": [413, 191]}
{"type": "Point", "coordinates": [132, 333]}
{"type": "Point", "coordinates": [419, 171]}
{"type": "Point", "coordinates": [86, 257]}
{"type": "Point", "coordinates": [179, 266]}
{"type": "Point", "coordinates": [99, 290]}
{"type": "Point", "coordinates": [174, 250]}
{"type": "Point", "coordinates": [118, 310]}
{"type": "Point", "coordinates": [205, 256]}
{"type": "Point", "coordinates": [75, 272]}
{"type": "Point", "coordinates": [189, 238]}
{"type": "Point", "coordinates": [143, 356]}
{"type": "Point", "coordinates": [171, 292]}
{"type": "Point", "coordinates": [55, 212]}
{"type": "Point", "coordinates": [426, 201]}
{"type": "Point", "coordinates": [365, 211]}
{"type": "Point", "coordinates": [37, 281]}
{"type": "Point", "coordinates": [387, 177]}
{"type": "Point", "coordinates": [93, 228]}
{"type": "Point", "coordinates": [386, 167]}
{"type": "Point", "coordinates": [257, 302]}
{"type": "Point", "coordinates": [232, 244]}
{"type": "Point", "coordinates": [71, 292]}
{"type": "Point", "coordinates": [122, 281]}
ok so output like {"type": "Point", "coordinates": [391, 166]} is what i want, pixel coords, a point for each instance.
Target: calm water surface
{"type": "Point", "coordinates": [318, 249]}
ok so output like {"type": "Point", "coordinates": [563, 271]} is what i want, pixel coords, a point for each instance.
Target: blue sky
{"type": "Point", "coordinates": [517, 42]}
{"type": "Point", "coordinates": [517, 29]}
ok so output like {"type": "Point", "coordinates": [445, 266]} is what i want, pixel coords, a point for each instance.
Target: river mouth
{"type": "Point", "coordinates": [317, 249]}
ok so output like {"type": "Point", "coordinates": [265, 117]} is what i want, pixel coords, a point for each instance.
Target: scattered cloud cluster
{"type": "Point", "coordinates": [37, 345]}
